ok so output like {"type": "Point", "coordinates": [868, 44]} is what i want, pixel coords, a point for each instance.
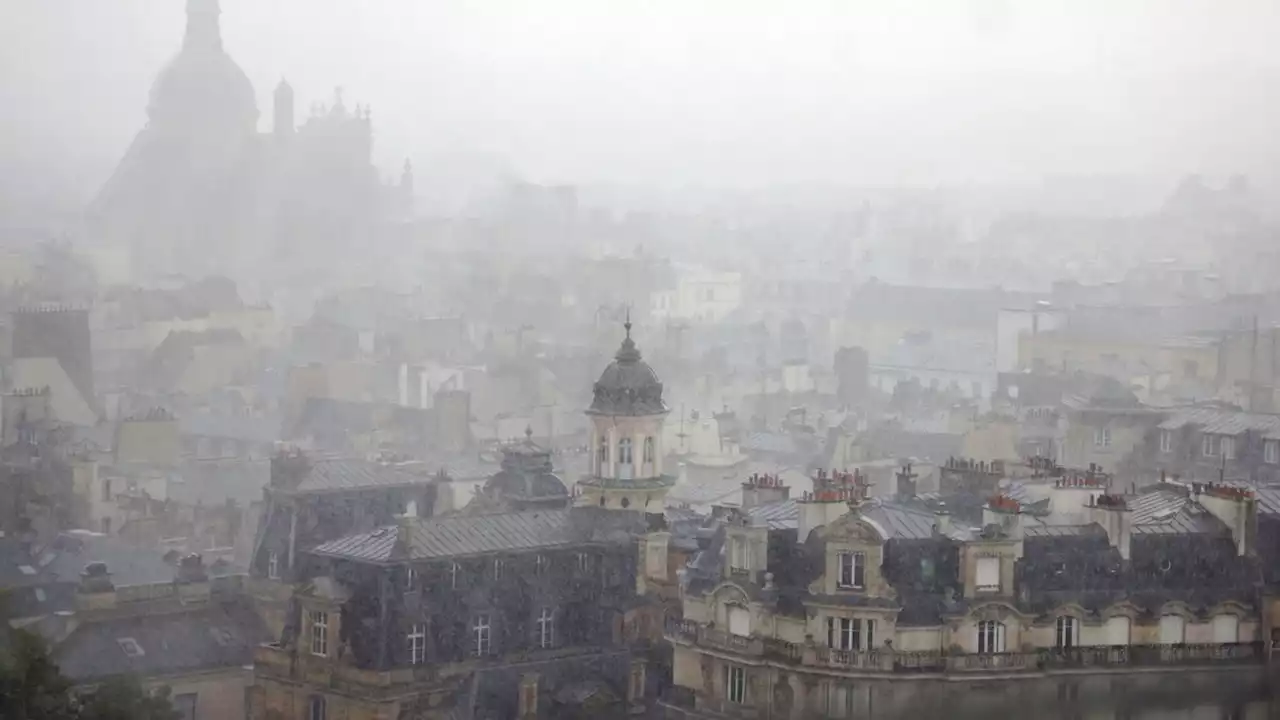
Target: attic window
{"type": "Point", "coordinates": [1166, 565]}
{"type": "Point", "coordinates": [130, 647]}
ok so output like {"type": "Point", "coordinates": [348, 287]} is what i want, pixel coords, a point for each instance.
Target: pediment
{"type": "Point", "coordinates": [855, 529]}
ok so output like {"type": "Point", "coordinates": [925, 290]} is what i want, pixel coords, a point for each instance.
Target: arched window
{"type": "Point", "coordinates": [990, 637]}
{"type": "Point", "coordinates": [648, 450]}
{"type": "Point", "coordinates": [624, 451]}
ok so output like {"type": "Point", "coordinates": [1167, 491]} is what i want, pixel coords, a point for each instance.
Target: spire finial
{"type": "Point", "coordinates": [627, 324]}
{"type": "Point", "coordinates": [528, 433]}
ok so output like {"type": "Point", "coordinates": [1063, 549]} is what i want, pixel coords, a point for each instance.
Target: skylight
{"type": "Point", "coordinates": [130, 647]}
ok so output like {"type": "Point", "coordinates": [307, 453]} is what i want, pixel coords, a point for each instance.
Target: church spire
{"type": "Point", "coordinates": [203, 31]}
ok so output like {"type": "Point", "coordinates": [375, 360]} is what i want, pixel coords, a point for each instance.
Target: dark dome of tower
{"type": "Point", "coordinates": [628, 386]}
{"type": "Point", "coordinates": [526, 480]}
{"type": "Point", "coordinates": [202, 85]}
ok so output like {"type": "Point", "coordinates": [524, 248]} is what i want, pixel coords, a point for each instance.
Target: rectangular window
{"type": "Point", "coordinates": [584, 562]}
{"type": "Point", "coordinates": [1166, 441]}
{"type": "Point", "coordinates": [417, 642]}
{"type": "Point", "coordinates": [453, 576]}
{"type": "Point", "coordinates": [1271, 451]}
{"type": "Point", "coordinates": [1210, 445]}
{"type": "Point", "coordinates": [871, 634]}
{"type": "Point", "coordinates": [844, 633]}
{"type": "Point", "coordinates": [540, 564]}
{"type": "Point", "coordinates": [410, 579]}
{"type": "Point", "coordinates": [185, 705]}
{"type": "Point", "coordinates": [546, 628]}
{"type": "Point", "coordinates": [735, 684]}
{"type": "Point", "coordinates": [739, 621]}
{"type": "Point", "coordinates": [1227, 444]}
{"type": "Point", "coordinates": [987, 577]}
{"type": "Point", "coordinates": [316, 708]}
{"type": "Point", "coordinates": [1067, 632]}
{"type": "Point", "coordinates": [273, 565]}
{"type": "Point", "coordinates": [1172, 630]}
{"type": "Point", "coordinates": [320, 633]}
{"type": "Point", "coordinates": [497, 568]}
{"type": "Point", "coordinates": [1102, 437]}
{"type": "Point", "coordinates": [106, 489]}
{"type": "Point", "coordinates": [740, 555]}
{"type": "Point", "coordinates": [852, 570]}
{"type": "Point", "coordinates": [1226, 628]}
{"type": "Point", "coordinates": [481, 635]}
{"type": "Point", "coordinates": [990, 637]}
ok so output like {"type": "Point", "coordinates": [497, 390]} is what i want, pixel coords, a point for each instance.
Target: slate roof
{"type": "Point", "coordinates": [781, 515]}
{"type": "Point", "coordinates": [351, 474]}
{"type": "Point", "coordinates": [215, 636]}
{"type": "Point", "coordinates": [899, 521]}
{"type": "Point", "coordinates": [1167, 511]}
{"type": "Point", "coordinates": [476, 535]}
{"type": "Point", "coordinates": [236, 427]}
{"type": "Point", "coordinates": [1224, 422]}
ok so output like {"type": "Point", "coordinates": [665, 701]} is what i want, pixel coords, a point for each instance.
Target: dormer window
{"type": "Point", "coordinates": [1102, 437]}
{"type": "Point", "coordinates": [739, 555]}
{"type": "Point", "coordinates": [987, 575]}
{"type": "Point", "coordinates": [853, 570]}
{"type": "Point", "coordinates": [1227, 444]}
{"type": "Point", "coordinates": [1271, 451]}
{"type": "Point", "coordinates": [1166, 441]}
{"type": "Point", "coordinates": [1209, 446]}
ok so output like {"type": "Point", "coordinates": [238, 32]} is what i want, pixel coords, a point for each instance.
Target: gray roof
{"type": "Point", "coordinates": [1168, 511]}
{"type": "Point", "coordinates": [229, 426]}
{"type": "Point", "coordinates": [899, 521]}
{"type": "Point", "coordinates": [351, 474]}
{"type": "Point", "coordinates": [216, 636]}
{"type": "Point", "coordinates": [781, 515]}
{"type": "Point", "coordinates": [1224, 422]}
{"type": "Point", "coordinates": [1036, 528]}
{"type": "Point", "coordinates": [476, 535]}
{"type": "Point", "coordinates": [128, 564]}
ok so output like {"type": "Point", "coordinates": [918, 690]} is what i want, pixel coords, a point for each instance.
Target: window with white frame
{"type": "Point", "coordinates": [540, 564]}
{"type": "Point", "coordinates": [739, 555]}
{"type": "Point", "coordinates": [1227, 444]}
{"type": "Point", "coordinates": [990, 637]}
{"type": "Point", "coordinates": [417, 642]}
{"type": "Point", "coordinates": [735, 683]}
{"type": "Point", "coordinates": [987, 574]}
{"type": "Point", "coordinates": [602, 454]}
{"type": "Point", "coordinates": [316, 709]}
{"type": "Point", "coordinates": [1102, 437]}
{"type": "Point", "coordinates": [273, 565]}
{"type": "Point", "coordinates": [852, 569]}
{"type": "Point", "coordinates": [648, 450]}
{"type": "Point", "coordinates": [546, 628]}
{"type": "Point", "coordinates": [1173, 630]}
{"type": "Point", "coordinates": [1067, 632]}
{"type": "Point", "coordinates": [497, 568]}
{"type": "Point", "coordinates": [584, 562]}
{"type": "Point", "coordinates": [624, 451]}
{"type": "Point", "coordinates": [1271, 451]}
{"type": "Point", "coordinates": [1166, 441]}
{"type": "Point", "coordinates": [320, 633]}
{"type": "Point", "coordinates": [481, 633]}
{"type": "Point", "coordinates": [1209, 445]}
{"type": "Point", "coordinates": [410, 579]}
{"type": "Point", "coordinates": [453, 576]}
{"type": "Point", "coordinates": [850, 634]}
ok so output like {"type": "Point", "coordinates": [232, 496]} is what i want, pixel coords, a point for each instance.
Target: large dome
{"type": "Point", "coordinates": [203, 86]}
{"type": "Point", "coordinates": [628, 386]}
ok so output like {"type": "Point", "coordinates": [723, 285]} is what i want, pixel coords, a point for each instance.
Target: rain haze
{"type": "Point", "coordinates": [450, 360]}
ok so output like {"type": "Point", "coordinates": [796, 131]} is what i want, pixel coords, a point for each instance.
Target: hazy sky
{"type": "Point", "coordinates": [680, 91]}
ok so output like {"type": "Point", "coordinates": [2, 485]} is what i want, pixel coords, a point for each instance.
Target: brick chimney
{"type": "Point", "coordinates": [905, 488]}
{"type": "Point", "coordinates": [834, 494]}
{"type": "Point", "coordinates": [1236, 507]}
{"type": "Point", "coordinates": [763, 489]}
{"type": "Point", "coordinates": [1112, 513]}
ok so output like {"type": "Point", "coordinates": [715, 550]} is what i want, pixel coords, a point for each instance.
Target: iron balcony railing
{"type": "Point", "coordinates": [892, 661]}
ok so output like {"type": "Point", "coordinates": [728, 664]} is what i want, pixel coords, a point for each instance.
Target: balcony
{"type": "Point", "coordinates": [889, 661]}
{"type": "Point", "coordinates": [708, 637]}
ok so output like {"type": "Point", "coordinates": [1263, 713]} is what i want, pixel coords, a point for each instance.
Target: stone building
{"type": "Point", "coordinates": [523, 604]}
{"type": "Point", "coordinates": [1072, 599]}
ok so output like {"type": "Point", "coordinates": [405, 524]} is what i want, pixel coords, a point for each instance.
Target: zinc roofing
{"type": "Point", "coordinates": [457, 536]}
{"type": "Point", "coordinates": [350, 474]}
{"type": "Point", "coordinates": [1224, 422]}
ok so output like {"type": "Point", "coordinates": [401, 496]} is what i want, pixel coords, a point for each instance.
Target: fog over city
{"type": "Point", "coordinates": [704, 360]}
